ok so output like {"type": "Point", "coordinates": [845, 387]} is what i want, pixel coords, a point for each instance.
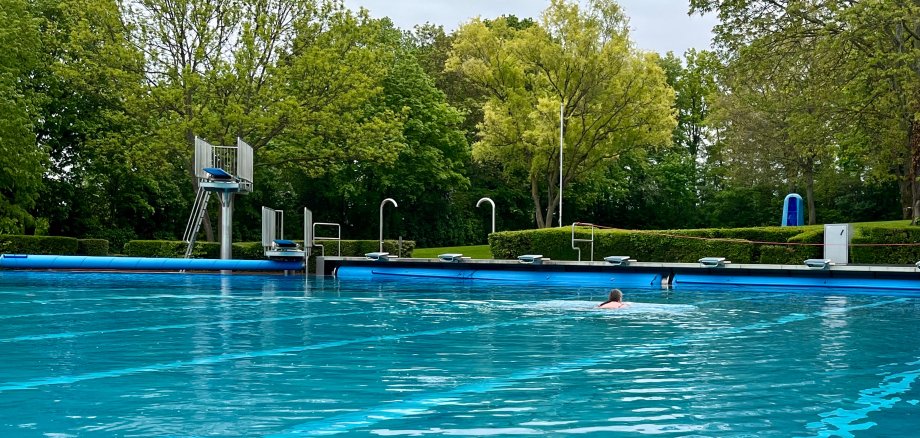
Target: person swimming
{"type": "Point", "coordinates": [614, 301]}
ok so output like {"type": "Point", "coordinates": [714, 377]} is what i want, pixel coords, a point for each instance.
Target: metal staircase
{"type": "Point", "coordinates": [195, 219]}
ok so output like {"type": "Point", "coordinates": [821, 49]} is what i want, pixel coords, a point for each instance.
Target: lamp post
{"type": "Point", "coordinates": [561, 140]}
{"type": "Point", "coordinates": [382, 203]}
{"type": "Point", "coordinates": [493, 210]}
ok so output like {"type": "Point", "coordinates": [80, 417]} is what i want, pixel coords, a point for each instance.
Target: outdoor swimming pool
{"type": "Point", "coordinates": [206, 355]}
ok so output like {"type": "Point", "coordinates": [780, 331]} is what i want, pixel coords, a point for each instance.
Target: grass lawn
{"type": "Point", "coordinates": [476, 252]}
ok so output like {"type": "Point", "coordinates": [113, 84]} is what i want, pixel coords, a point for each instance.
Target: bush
{"type": "Point", "coordinates": [254, 251]}
{"type": "Point", "coordinates": [93, 247]}
{"type": "Point", "coordinates": [171, 249]}
{"type": "Point", "coordinates": [899, 255]}
{"type": "Point", "coordinates": [740, 245]}
{"type": "Point", "coordinates": [43, 245]}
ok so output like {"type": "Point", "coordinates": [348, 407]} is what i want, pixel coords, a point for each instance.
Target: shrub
{"type": "Point", "coordinates": [254, 251]}
{"type": "Point", "coordinates": [740, 245]}
{"type": "Point", "coordinates": [900, 255]}
{"type": "Point", "coordinates": [93, 247]}
{"type": "Point", "coordinates": [43, 245]}
{"type": "Point", "coordinates": [171, 249]}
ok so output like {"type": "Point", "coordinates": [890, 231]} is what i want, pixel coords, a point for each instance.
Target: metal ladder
{"type": "Point", "coordinates": [194, 220]}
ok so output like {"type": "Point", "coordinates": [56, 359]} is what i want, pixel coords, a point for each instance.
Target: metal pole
{"type": "Point", "coordinates": [561, 139]}
{"type": "Point", "coordinates": [493, 210]}
{"type": "Point", "coordinates": [226, 227]}
{"type": "Point", "coordinates": [382, 203]}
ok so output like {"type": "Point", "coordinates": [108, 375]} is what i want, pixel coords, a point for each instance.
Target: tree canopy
{"type": "Point", "coordinates": [101, 101]}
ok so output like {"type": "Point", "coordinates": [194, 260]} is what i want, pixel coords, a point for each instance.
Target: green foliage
{"type": "Point", "coordinates": [254, 250]}
{"type": "Point", "coordinates": [44, 245]}
{"type": "Point", "coordinates": [93, 247]}
{"type": "Point", "coordinates": [904, 245]}
{"type": "Point", "coordinates": [21, 158]}
{"type": "Point", "coordinates": [613, 98]}
{"type": "Point", "coordinates": [740, 245]}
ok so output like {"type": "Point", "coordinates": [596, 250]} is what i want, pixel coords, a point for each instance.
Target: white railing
{"type": "Point", "coordinates": [272, 226]}
{"type": "Point", "coordinates": [235, 160]}
{"type": "Point", "coordinates": [337, 238]}
{"type": "Point", "coordinates": [591, 240]}
{"type": "Point", "coordinates": [244, 165]}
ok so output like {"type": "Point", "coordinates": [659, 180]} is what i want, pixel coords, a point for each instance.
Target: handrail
{"type": "Point", "coordinates": [591, 240]}
{"type": "Point", "coordinates": [338, 238]}
{"type": "Point", "coordinates": [491, 202]}
{"type": "Point", "coordinates": [382, 203]}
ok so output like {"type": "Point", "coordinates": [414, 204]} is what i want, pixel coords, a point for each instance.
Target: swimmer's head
{"type": "Point", "coordinates": [616, 295]}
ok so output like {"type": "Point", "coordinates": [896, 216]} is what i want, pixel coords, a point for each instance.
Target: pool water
{"type": "Point", "coordinates": [206, 355]}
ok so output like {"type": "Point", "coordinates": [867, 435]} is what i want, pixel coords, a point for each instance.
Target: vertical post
{"type": "Point", "coordinates": [561, 139]}
{"type": "Point", "coordinates": [307, 239]}
{"type": "Point", "coordinates": [382, 203]}
{"type": "Point", "coordinates": [226, 227]}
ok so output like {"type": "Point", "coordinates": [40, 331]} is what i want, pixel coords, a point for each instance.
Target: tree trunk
{"type": "Point", "coordinates": [810, 196]}
{"type": "Point", "coordinates": [914, 170]}
{"type": "Point", "coordinates": [537, 207]}
{"type": "Point", "coordinates": [906, 193]}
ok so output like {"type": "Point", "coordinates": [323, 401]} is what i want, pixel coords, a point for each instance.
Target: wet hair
{"type": "Point", "coordinates": [616, 295]}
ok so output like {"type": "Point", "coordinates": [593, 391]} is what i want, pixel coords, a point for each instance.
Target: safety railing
{"type": "Point", "coordinates": [591, 240]}
{"type": "Point", "coordinates": [337, 238]}
{"type": "Point", "coordinates": [235, 160]}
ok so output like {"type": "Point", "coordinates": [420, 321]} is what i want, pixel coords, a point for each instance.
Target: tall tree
{"type": "Point", "coordinates": [612, 98]}
{"type": "Point", "coordinates": [880, 40]}
{"type": "Point", "coordinates": [295, 78]}
{"type": "Point", "coordinates": [21, 158]}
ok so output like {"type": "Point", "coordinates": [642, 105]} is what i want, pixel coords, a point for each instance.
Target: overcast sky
{"type": "Point", "coordinates": [658, 25]}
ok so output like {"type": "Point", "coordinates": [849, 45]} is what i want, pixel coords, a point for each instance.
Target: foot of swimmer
{"type": "Point", "coordinates": [615, 301]}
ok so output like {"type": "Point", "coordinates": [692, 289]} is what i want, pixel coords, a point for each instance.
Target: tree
{"type": "Point", "coordinates": [612, 98]}
{"type": "Point", "coordinates": [880, 42]}
{"type": "Point", "coordinates": [295, 78]}
{"type": "Point", "coordinates": [21, 159]}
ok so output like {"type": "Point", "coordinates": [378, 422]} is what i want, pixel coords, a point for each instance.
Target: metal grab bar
{"type": "Point", "coordinates": [591, 240]}
{"type": "Point", "coordinates": [338, 238]}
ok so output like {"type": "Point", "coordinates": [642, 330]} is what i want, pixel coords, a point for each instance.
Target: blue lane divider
{"type": "Point", "coordinates": [843, 422]}
{"type": "Point", "coordinates": [421, 404]}
{"type": "Point", "coordinates": [29, 261]}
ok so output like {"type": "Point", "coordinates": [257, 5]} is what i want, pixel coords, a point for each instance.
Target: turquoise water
{"type": "Point", "coordinates": [204, 355]}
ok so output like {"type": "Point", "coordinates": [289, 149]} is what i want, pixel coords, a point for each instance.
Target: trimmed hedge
{"type": "Point", "coordinates": [93, 247]}
{"type": "Point", "coordinates": [897, 255]}
{"type": "Point", "coordinates": [253, 250]}
{"type": "Point", "coordinates": [44, 245]}
{"type": "Point", "coordinates": [556, 243]}
{"type": "Point", "coordinates": [747, 245]}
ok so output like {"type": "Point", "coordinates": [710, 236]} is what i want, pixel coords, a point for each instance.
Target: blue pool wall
{"type": "Point", "coordinates": [677, 276]}
{"type": "Point", "coordinates": [28, 261]}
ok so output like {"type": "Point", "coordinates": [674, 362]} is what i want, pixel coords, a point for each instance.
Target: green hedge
{"type": "Point", "coordinates": [740, 245]}
{"type": "Point", "coordinates": [748, 245]}
{"type": "Point", "coordinates": [896, 255]}
{"type": "Point", "coordinates": [93, 247]}
{"type": "Point", "coordinates": [253, 250]}
{"type": "Point", "coordinates": [46, 245]}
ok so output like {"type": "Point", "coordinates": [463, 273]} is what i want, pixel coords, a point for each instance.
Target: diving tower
{"type": "Point", "coordinates": [225, 170]}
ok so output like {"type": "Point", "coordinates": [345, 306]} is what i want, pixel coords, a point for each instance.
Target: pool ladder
{"type": "Point", "coordinates": [591, 240]}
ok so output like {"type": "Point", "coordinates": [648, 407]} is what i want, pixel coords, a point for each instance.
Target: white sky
{"type": "Point", "coordinates": [657, 25]}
